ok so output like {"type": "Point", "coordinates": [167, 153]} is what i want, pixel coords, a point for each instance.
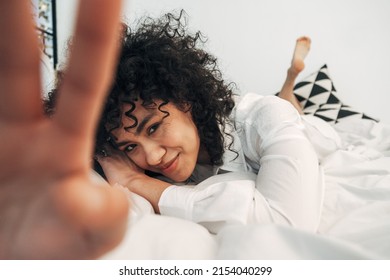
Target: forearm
{"type": "Point", "coordinates": [149, 188]}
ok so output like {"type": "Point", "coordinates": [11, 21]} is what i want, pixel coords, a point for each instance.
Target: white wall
{"type": "Point", "coordinates": [254, 40]}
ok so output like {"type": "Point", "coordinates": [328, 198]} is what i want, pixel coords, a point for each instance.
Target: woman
{"type": "Point", "coordinates": [171, 120]}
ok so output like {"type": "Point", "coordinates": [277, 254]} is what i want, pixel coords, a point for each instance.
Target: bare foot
{"type": "Point", "coordinates": [301, 50]}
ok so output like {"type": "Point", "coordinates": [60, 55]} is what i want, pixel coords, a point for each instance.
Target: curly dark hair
{"type": "Point", "coordinates": [159, 60]}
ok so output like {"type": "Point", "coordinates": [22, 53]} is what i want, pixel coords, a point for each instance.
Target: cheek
{"type": "Point", "coordinates": [139, 159]}
{"type": "Point", "coordinates": [187, 136]}
{"type": "Point", "coordinates": [191, 130]}
{"type": "Point", "coordinates": [193, 136]}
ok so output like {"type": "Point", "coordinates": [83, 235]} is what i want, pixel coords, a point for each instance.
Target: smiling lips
{"type": "Point", "coordinates": [170, 166]}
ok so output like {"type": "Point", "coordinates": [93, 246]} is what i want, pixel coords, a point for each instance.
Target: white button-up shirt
{"type": "Point", "coordinates": [276, 178]}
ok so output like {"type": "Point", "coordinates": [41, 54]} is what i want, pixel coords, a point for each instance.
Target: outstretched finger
{"type": "Point", "coordinates": [19, 62]}
{"type": "Point", "coordinates": [90, 70]}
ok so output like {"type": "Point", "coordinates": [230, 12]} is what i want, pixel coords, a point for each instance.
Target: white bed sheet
{"type": "Point", "coordinates": [355, 220]}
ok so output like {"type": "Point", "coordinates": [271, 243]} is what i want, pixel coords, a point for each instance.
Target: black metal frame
{"type": "Point", "coordinates": [48, 30]}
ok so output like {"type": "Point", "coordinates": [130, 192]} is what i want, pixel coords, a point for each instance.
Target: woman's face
{"type": "Point", "coordinates": [161, 143]}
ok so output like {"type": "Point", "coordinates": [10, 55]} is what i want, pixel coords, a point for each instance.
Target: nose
{"type": "Point", "coordinates": [153, 153]}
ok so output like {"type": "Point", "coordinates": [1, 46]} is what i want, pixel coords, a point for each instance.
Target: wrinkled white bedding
{"type": "Point", "coordinates": [355, 219]}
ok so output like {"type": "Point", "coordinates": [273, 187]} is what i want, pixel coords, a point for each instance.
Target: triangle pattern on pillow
{"type": "Point", "coordinates": [318, 96]}
{"type": "Point", "coordinates": [333, 99]}
{"type": "Point", "coordinates": [317, 89]}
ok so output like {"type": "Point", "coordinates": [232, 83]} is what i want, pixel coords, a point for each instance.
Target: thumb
{"type": "Point", "coordinates": [100, 213]}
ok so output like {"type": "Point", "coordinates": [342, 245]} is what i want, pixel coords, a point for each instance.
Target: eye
{"type": "Point", "coordinates": [153, 128]}
{"type": "Point", "coordinates": [130, 148]}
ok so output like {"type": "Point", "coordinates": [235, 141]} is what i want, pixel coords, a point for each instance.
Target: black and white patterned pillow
{"type": "Point", "coordinates": [318, 96]}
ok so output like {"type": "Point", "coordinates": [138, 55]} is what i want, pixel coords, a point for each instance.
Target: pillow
{"type": "Point", "coordinates": [318, 96]}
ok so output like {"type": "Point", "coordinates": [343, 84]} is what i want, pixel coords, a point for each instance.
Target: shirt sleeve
{"type": "Point", "coordinates": [221, 200]}
{"type": "Point", "coordinates": [289, 175]}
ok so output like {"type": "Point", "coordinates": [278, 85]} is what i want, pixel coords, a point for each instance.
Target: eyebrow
{"type": "Point", "coordinates": [139, 129]}
{"type": "Point", "coordinates": [142, 124]}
